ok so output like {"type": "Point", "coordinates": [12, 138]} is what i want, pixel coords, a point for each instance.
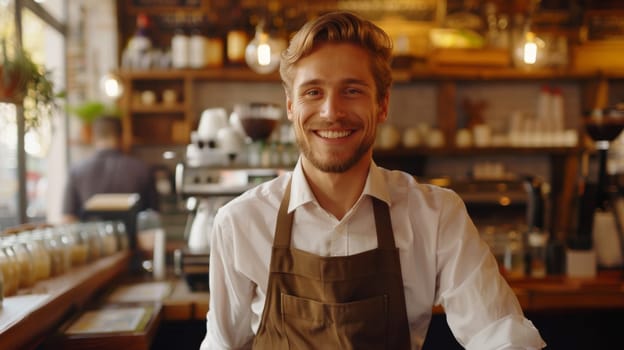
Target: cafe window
{"type": "Point", "coordinates": [33, 156]}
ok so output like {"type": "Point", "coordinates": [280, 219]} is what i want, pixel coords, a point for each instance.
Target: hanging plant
{"type": "Point", "coordinates": [26, 83]}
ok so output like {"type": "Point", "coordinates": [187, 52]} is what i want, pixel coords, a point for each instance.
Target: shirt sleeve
{"type": "Point", "coordinates": [481, 309]}
{"type": "Point", "coordinates": [228, 324]}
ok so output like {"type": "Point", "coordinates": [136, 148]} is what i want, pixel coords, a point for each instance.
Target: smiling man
{"type": "Point", "coordinates": [340, 253]}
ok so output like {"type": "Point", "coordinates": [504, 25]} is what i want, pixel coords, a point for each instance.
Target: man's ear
{"type": "Point", "coordinates": [289, 112]}
{"type": "Point", "coordinates": [382, 115]}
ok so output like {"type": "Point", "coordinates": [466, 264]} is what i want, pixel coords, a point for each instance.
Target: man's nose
{"type": "Point", "coordinates": [332, 107]}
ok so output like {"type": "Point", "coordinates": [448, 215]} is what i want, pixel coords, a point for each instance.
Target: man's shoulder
{"type": "Point", "coordinates": [260, 198]}
{"type": "Point", "coordinates": [404, 184]}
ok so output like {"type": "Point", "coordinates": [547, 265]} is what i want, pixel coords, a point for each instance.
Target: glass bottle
{"type": "Point", "coordinates": [214, 46]}
{"type": "Point", "coordinates": [236, 39]}
{"type": "Point", "coordinates": [514, 260]}
{"type": "Point", "coordinates": [180, 47]}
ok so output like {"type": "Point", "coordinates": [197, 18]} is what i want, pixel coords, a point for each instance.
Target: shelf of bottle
{"type": "Point", "coordinates": [424, 72]}
{"type": "Point", "coordinates": [234, 73]}
{"type": "Point", "coordinates": [474, 151]}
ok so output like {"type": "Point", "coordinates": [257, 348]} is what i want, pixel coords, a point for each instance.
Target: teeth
{"type": "Point", "coordinates": [333, 134]}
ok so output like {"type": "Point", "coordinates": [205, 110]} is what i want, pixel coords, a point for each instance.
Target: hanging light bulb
{"type": "Point", "coordinates": [263, 52]}
{"type": "Point", "coordinates": [530, 52]}
{"type": "Point", "coordinates": [111, 86]}
{"type": "Point", "coordinates": [529, 55]}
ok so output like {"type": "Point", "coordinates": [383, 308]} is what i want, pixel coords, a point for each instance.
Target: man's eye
{"type": "Point", "coordinates": [312, 92]}
{"type": "Point", "coordinates": [353, 91]}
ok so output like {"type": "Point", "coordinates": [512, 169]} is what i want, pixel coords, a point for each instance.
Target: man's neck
{"type": "Point", "coordinates": [337, 192]}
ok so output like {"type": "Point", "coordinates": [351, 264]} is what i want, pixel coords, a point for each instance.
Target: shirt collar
{"type": "Point", "coordinates": [301, 194]}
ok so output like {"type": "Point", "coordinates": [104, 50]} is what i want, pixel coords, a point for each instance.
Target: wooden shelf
{"type": "Point", "coordinates": [400, 75]}
{"type": "Point", "coordinates": [216, 74]}
{"type": "Point", "coordinates": [158, 109]}
{"type": "Point", "coordinates": [475, 151]}
{"type": "Point", "coordinates": [64, 294]}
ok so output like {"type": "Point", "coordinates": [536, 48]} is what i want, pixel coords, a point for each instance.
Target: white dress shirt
{"type": "Point", "coordinates": [443, 260]}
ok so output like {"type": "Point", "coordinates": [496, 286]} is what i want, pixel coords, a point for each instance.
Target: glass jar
{"type": "Point", "coordinates": [25, 261]}
{"type": "Point", "coordinates": [55, 248]}
{"type": "Point", "coordinates": [66, 242]}
{"type": "Point", "coordinates": [36, 244]}
{"type": "Point", "coordinates": [1, 288]}
{"type": "Point", "coordinates": [9, 268]}
{"type": "Point", "coordinates": [79, 248]}
{"type": "Point", "coordinates": [122, 235]}
{"type": "Point", "coordinates": [90, 234]}
{"type": "Point", "coordinates": [108, 238]}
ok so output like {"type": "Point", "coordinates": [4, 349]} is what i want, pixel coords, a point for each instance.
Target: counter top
{"type": "Point", "coordinates": [26, 319]}
{"type": "Point", "coordinates": [548, 294]}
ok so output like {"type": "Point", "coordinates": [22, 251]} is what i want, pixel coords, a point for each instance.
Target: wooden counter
{"type": "Point", "coordinates": [553, 293]}
{"type": "Point", "coordinates": [27, 319]}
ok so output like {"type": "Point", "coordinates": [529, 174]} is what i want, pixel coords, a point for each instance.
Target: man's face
{"type": "Point", "coordinates": [333, 106]}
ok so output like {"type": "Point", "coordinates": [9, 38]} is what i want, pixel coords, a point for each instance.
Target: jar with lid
{"type": "Point", "coordinates": [90, 234]}
{"type": "Point", "coordinates": [107, 237]}
{"type": "Point", "coordinates": [122, 235]}
{"type": "Point", "coordinates": [10, 269]}
{"type": "Point", "coordinates": [79, 247]}
{"type": "Point", "coordinates": [43, 259]}
{"type": "Point", "coordinates": [1, 288]}
{"type": "Point", "coordinates": [66, 243]}
{"type": "Point", "coordinates": [56, 250]}
{"type": "Point", "coordinates": [25, 261]}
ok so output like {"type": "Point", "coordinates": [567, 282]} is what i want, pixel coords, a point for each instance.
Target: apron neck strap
{"type": "Point", "coordinates": [383, 223]}
{"type": "Point", "coordinates": [283, 227]}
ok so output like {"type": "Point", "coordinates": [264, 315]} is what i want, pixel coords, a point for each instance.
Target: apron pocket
{"type": "Point", "coordinates": [310, 324]}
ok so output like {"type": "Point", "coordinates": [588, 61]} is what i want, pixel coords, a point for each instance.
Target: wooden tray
{"type": "Point", "coordinates": [109, 326]}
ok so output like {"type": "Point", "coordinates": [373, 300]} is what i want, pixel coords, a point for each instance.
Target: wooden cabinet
{"type": "Point", "coordinates": [150, 118]}
{"type": "Point", "coordinates": [156, 108]}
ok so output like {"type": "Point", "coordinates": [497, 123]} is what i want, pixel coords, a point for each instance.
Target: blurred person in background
{"type": "Point", "coordinates": [108, 170]}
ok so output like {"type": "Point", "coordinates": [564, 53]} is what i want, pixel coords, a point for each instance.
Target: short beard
{"type": "Point", "coordinates": [334, 167]}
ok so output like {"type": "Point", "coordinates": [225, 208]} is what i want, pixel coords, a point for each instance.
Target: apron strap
{"type": "Point", "coordinates": [284, 222]}
{"type": "Point", "coordinates": [383, 224]}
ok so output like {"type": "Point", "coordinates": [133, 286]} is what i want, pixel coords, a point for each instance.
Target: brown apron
{"type": "Point", "coordinates": [347, 302]}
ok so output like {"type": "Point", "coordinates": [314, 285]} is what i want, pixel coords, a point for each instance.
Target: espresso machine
{"type": "Point", "coordinates": [218, 168]}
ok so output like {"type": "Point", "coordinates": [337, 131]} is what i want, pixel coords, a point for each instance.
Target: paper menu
{"type": "Point", "coordinates": [111, 320]}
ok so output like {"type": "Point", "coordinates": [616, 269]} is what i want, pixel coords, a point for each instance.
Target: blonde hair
{"type": "Point", "coordinates": [340, 27]}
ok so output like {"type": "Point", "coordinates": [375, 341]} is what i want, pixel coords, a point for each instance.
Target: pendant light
{"type": "Point", "coordinates": [111, 86]}
{"type": "Point", "coordinates": [263, 52]}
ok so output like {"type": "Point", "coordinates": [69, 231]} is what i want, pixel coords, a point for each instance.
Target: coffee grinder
{"type": "Point", "coordinates": [599, 226]}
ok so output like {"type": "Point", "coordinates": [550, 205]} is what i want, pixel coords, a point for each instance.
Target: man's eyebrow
{"type": "Point", "coordinates": [353, 81]}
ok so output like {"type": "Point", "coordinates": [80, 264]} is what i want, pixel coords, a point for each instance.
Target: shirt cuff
{"type": "Point", "coordinates": [510, 332]}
